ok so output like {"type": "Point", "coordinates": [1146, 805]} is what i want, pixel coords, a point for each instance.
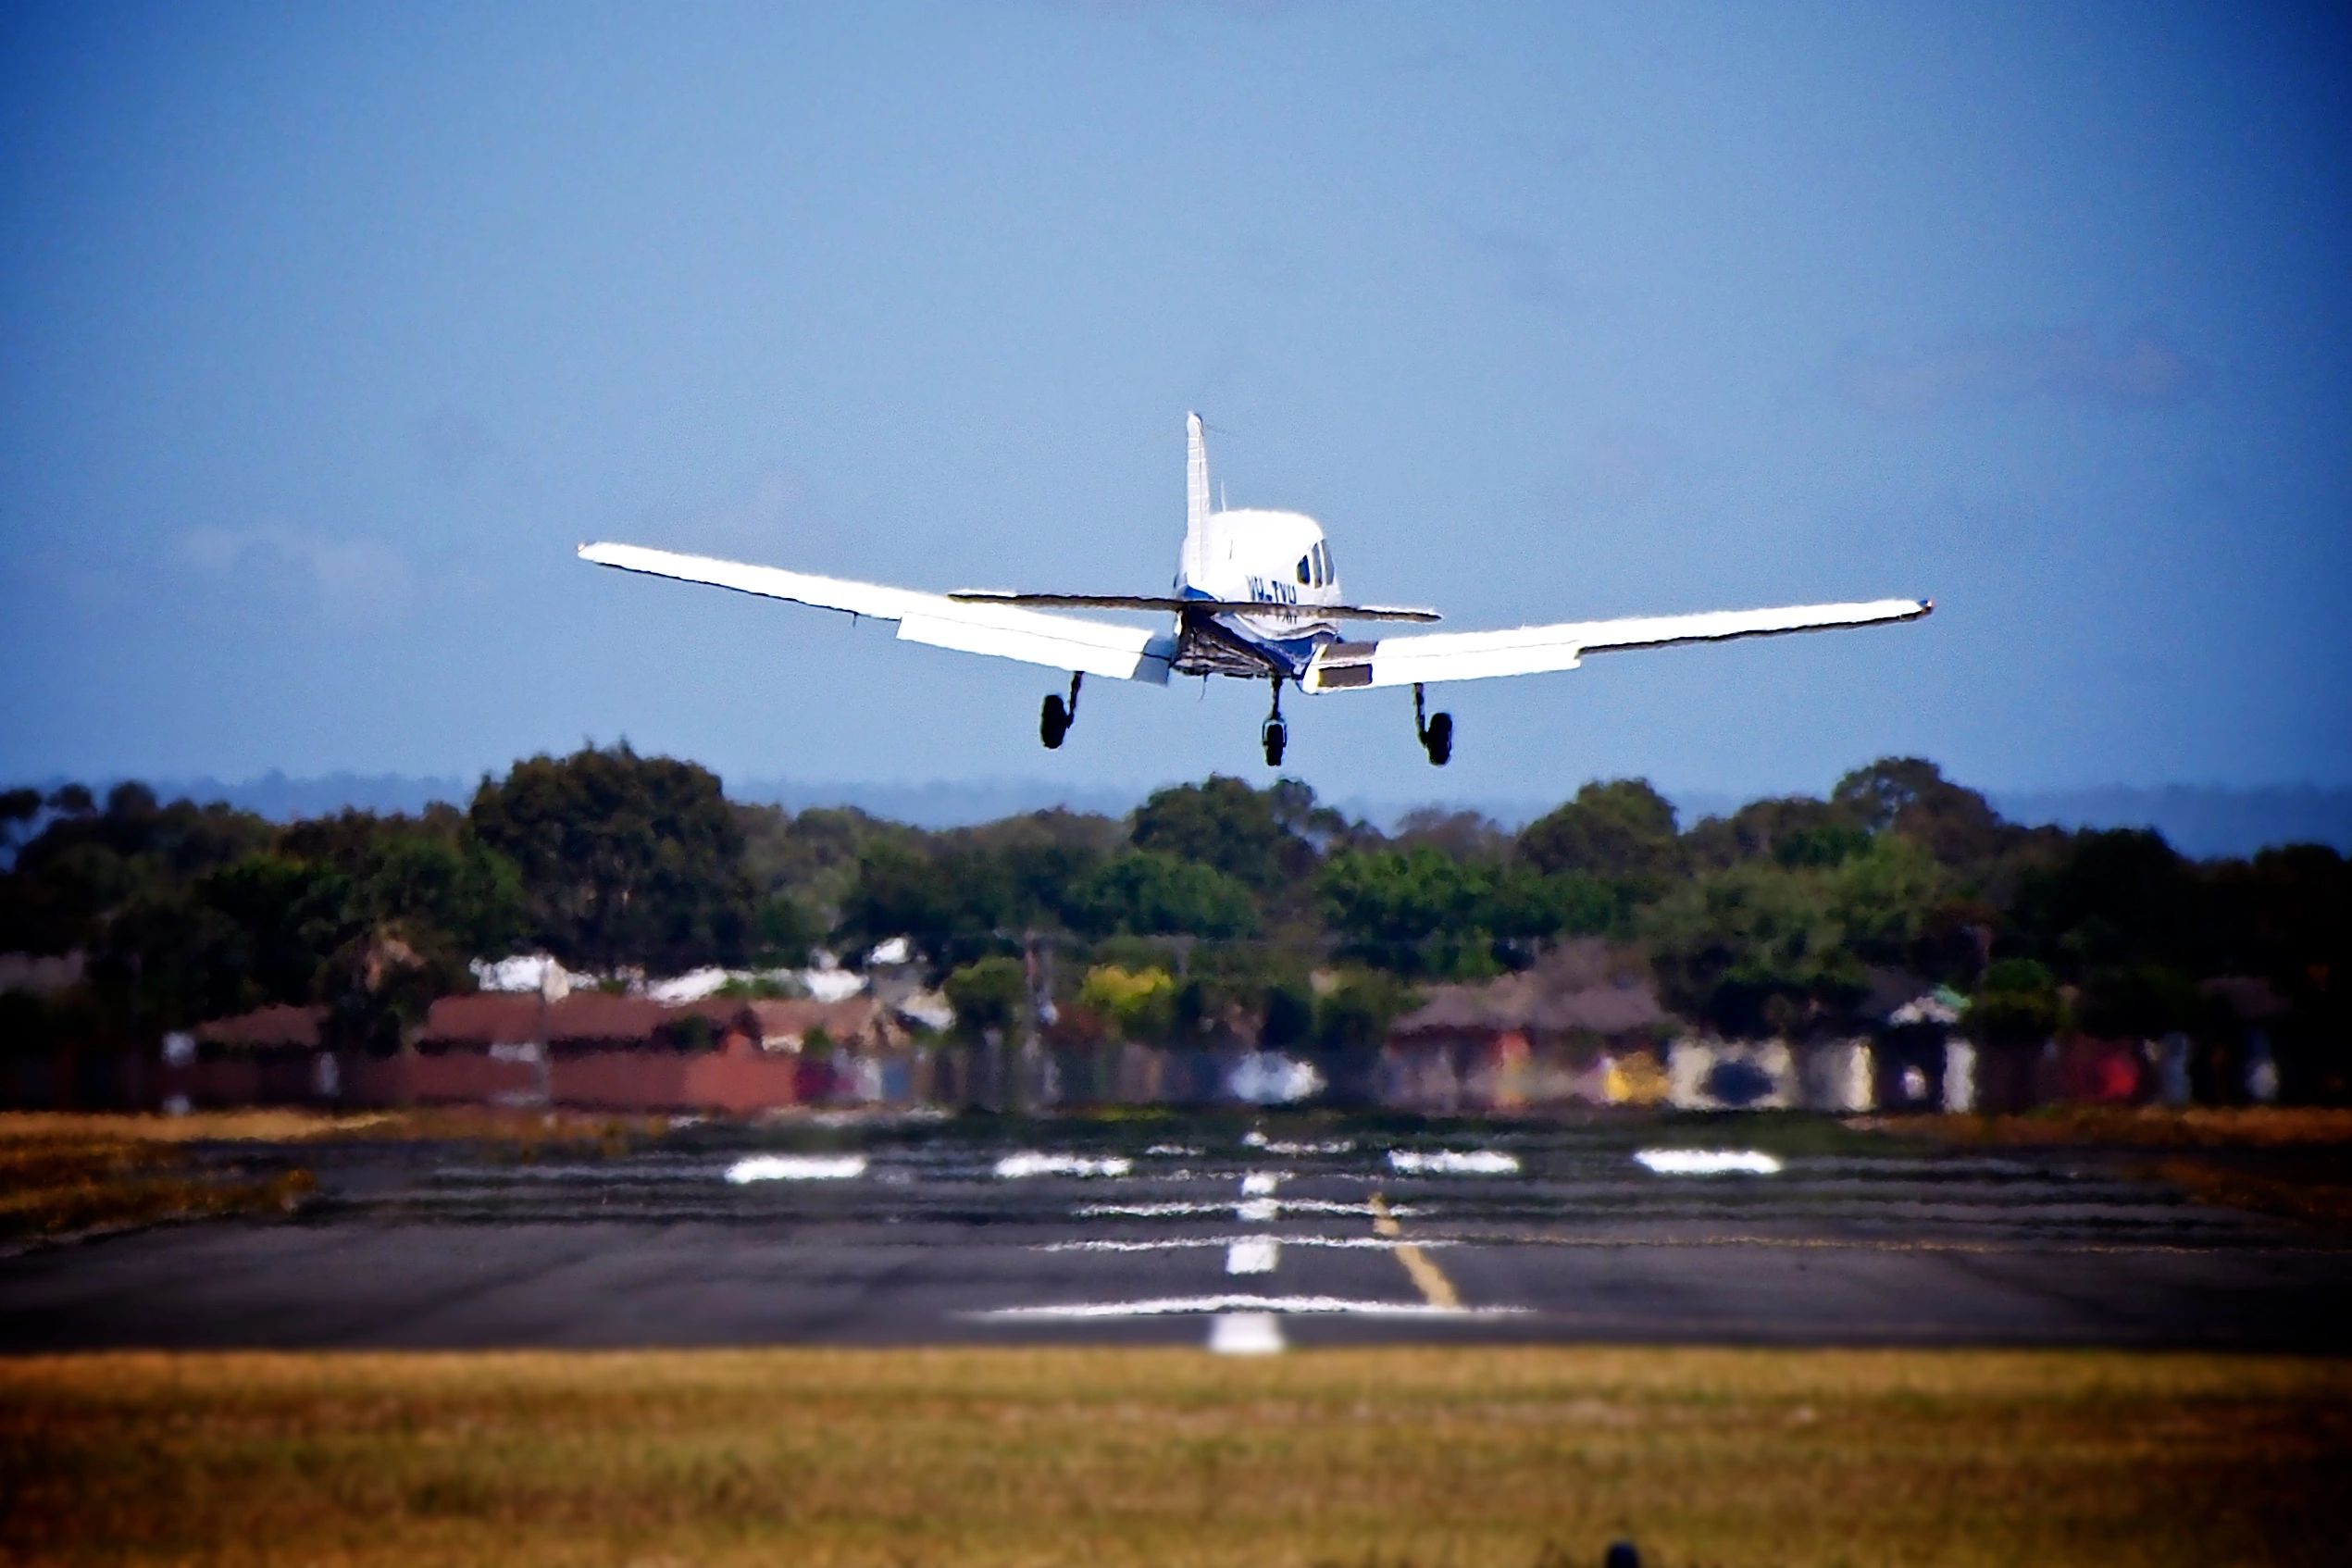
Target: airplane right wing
{"type": "Point", "coordinates": [1071, 643]}
{"type": "Point", "coordinates": [1534, 650]}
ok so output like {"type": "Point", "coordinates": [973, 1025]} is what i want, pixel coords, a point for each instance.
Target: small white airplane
{"type": "Point", "coordinates": [1256, 596]}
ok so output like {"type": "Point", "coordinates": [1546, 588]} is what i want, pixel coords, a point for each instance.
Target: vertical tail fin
{"type": "Point", "coordinates": [1196, 500]}
{"type": "Point", "coordinates": [1196, 474]}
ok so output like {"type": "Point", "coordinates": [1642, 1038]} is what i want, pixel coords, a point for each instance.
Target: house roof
{"type": "Point", "coordinates": [281, 1026]}
{"type": "Point", "coordinates": [1583, 987]}
{"type": "Point", "coordinates": [486, 1019]}
{"type": "Point", "coordinates": [850, 1017]}
{"type": "Point", "coordinates": [2251, 997]}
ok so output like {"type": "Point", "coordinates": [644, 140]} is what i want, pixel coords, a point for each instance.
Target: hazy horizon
{"type": "Point", "coordinates": [2204, 821]}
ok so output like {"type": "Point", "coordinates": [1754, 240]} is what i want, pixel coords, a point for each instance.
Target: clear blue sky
{"type": "Point", "coordinates": [329, 329]}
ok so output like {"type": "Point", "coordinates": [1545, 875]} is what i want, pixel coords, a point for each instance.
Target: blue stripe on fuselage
{"type": "Point", "coordinates": [1289, 652]}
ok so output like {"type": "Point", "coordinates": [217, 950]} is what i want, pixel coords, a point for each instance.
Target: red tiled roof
{"type": "Point", "coordinates": [1580, 988]}
{"type": "Point", "coordinates": [281, 1026]}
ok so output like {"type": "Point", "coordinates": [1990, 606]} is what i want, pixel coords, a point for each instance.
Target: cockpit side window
{"type": "Point", "coordinates": [1306, 569]}
{"type": "Point", "coordinates": [1330, 573]}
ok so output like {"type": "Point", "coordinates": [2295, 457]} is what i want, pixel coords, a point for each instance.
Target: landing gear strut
{"type": "Point", "coordinates": [1436, 730]}
{"type": "Point", "coordinates": [1274, 732]}
{"type": "Point", "coordinates": [1055, 719]}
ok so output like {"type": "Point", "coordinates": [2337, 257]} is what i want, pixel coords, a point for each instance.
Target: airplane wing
{"type": "Point", "coordinates": [1210, 606]}
{"type": "Point", "coordinates": [1105, 648]}
{"type": "Point", "coordinates": [1533, 650]}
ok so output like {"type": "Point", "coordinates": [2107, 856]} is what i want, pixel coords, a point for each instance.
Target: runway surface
{"type": "Point", "coordinates": [1240, 1237]}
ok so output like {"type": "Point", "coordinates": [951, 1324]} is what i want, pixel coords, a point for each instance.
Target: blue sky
{"type": "Point", "coordinates": [328, 330]}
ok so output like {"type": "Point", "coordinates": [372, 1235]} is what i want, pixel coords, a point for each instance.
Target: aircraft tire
{"type": "Point", "coordinates": [1440, 739]}
{"type": "Point", "coordinates": [1277, 735]}
{"type": "Point", "coordinates": [1053, 722]}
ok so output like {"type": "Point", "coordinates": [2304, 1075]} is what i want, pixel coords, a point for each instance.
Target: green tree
{"type": "Point", "coordinates": [988, 993]}
{"type": "Point", "coordinates": [1911, 796]}
{"type": "Point", "coordinates": [1144, 893]}
{"type": "Point", "coordinates": [1884, 898]}
{"type": "Point", "coordinates": [2017, 1007]}
{"type": "Point", "coordinates": [1754, 950]}
{"type": "Point", "coordinates": [623, 859]}
{"type": "Point", "coordinates": [1622, 831]}
{"type": "Point", "coordinates": [1417, 912]}
{"type": "Point", "coordinates": [1249, 835]}
{"type": "Point", "coordinates": [2115, 898]}
{"type": "Point", "coordinates": [1141, 1003]}
{"type": "Point", "coordinates": [952, 904]}
{"type": "Point", "coordinates": [1792, 829]}
{"type": "Point", "coordinates": [1352, 1020]}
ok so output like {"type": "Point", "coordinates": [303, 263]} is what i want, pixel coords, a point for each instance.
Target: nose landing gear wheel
{"type": "Point", "coordinates": [1277, 735]}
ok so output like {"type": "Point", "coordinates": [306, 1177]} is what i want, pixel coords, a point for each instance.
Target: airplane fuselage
{"type": "Point", "coordinates": [1278, 559]}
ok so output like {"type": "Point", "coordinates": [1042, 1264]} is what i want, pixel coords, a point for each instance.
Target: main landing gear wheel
{"type": "Point", "coordinates": [1055, 719]}
{"type": "Point", "coordinates": [1436, 730]}
{"type": "Point", "coordinates": [1274, 732]}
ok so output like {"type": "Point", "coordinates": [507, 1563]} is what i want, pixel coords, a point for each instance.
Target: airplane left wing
{"type": "Point", "coordinates": [1071, 643]}
{"type": "Point", "coordinates": [1534, 650]}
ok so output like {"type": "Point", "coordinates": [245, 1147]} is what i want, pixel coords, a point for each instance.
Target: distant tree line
{"type": "Point", "coordinates": [1212, 906]}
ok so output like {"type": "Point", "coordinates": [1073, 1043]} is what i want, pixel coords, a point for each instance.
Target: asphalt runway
{"type": "Point", "coordinates": [1220, 1234]}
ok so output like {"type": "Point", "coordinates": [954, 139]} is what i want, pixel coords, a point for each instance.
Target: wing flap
{"type": "Point", "coordinates": [1145, 657]}
{"type": "Point", "coordinates": [1536, 650]}
{"type": "Point", "coordinates": [1121, 652]}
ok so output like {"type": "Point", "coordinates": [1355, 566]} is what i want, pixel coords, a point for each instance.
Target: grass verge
{"type": "Point", "coordinates": [63, 1185]}
{"type": "Point", "coordinates": [2137, 1126]}
{"type": "Point", "coordinates": [66, 1173]}
{"type": "Point", "coordinates": [1091, 1457]}
{"type": "Point", "coordinates": [2292, 1162]}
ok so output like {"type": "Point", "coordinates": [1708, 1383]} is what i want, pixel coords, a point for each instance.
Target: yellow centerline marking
{"type": "Point", "coordinates": [1435, 1288]}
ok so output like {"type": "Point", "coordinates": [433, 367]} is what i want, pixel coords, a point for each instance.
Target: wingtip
{"type": "Point", "coordinates": [1927, 606]}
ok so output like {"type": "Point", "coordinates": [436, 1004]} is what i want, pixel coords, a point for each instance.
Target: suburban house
{"type": "Point", "coordinates": [1582, 1025]}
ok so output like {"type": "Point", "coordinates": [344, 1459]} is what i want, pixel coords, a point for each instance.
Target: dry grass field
{"type": "Point", "coordinates": [1415, 1457]}
{"type": "Point", "coordinates": [2139, 1126]}
{"type": "Point", "coordinates": [66, 1173]}
{"type": "Point", "coordinates": [2292, 1162]}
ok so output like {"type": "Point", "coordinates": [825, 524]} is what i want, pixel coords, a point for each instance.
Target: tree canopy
{"type": "Point", "coordinates": [1264, 911]}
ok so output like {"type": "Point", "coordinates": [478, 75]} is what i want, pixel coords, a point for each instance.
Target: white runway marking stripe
{"type": "Point", "coordinates": [1707, 1162]}
{"type": "Point", "coordinates": [1449, 1162]}
{"type": "Point", "coordinates": [796, 1167]}
{"type": "Point", "coordinates": [1176, 1243]}
{"type": "Point", "coordinates": [1235, 1301]}
{"type": "Point", "coordinates": [1272, 1146]}
{"type": "Point", "coordinates": [1287, 1205]}
{"type": "Point", "coordinates": [1260, 1184]}
{"type": "Point", "coordinates": [1245, 1334]}
{"type": "Point", "coordinates": [1029, 1163]}
{"type": "Point", "coordinates": [1253, 1254]}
